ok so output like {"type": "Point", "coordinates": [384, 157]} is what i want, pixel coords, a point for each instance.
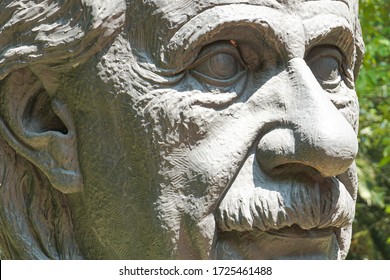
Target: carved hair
{"type": "Point", "coordinates": [34, 219]}
{"type": "Point", "coordinates": [55, 32]}
{"type": "Point", "coordinates": [35, 222]}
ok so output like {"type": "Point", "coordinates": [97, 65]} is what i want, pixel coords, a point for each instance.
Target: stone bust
{"type": "Point", "coordinates": [156, 129]}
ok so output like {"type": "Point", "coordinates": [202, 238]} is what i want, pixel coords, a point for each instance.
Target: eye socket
{"type": "Point", "coordinates": [219, 64]}
{"type": "Point", "coordinates": [325, 63]}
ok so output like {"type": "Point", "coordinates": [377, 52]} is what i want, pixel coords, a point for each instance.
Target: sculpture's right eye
{"type": "Point", "coordinates": [326, 64]}
{"type": "Point", "coordinates": [219, 65]}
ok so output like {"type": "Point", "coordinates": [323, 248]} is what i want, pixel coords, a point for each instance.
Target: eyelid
{"type": "Point", "coordinates": [220, 47]}
{"type": "Point", "coordinates": [326, 50]}
{"type": "Point", "coordinates": [217, 48]}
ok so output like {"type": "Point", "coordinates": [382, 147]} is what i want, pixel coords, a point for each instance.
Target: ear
{"type": "Point", "coordinates": [40, 129]}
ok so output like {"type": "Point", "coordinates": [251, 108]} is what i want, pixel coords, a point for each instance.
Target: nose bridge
{"type": "Point", "coordinates": [316, 135]}
{"type": "Point", "coordinates": [311, 111]}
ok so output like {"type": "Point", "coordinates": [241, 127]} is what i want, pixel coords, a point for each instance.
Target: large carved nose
{"type": "Point", "coordinates": [313, 136]}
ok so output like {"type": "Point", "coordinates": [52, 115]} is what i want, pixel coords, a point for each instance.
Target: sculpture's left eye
{"type": "Point", "coordinates": [325, 63]}
{"type": "Point", "coordinates": [219, 65]}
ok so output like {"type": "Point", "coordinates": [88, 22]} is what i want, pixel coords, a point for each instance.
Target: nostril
{"type": "Point", "coordinates": [297, 169]}
{"type": "Point", "coordinates": [315, 151]}
{"type": "Point", "coordinates": [276, 148]}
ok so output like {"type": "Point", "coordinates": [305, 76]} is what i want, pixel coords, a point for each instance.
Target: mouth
{"type": "Point", "coordinates": [302, 217]}
{"type": "Point", "coordinates": [295, 219]}
{"type": "Point", "coordinates": [286, 243]}
{"type": "Point", "coordinates": [295, 232]}
{"type": "Point", "coordinates": [279, 205]}
{"type": "Point", "coordinates": [255, 200]}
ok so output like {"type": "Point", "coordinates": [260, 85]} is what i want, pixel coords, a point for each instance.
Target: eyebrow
{"type": "Point", "coordinates": [192, 35]}
{"type": "Point", "coordinates": [338, 33]}
{"type": "Point", "coordinates": [181, 6]}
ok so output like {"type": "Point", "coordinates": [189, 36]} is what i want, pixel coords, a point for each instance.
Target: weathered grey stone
{"type": "Point", "coordinates": [178, 129]}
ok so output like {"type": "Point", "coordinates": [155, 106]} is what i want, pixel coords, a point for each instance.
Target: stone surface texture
{"type": "Point", "coordinates": [156, 129]}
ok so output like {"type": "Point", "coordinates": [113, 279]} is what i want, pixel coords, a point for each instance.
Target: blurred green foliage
{"type": "Point", "coordinates": [371, 229]}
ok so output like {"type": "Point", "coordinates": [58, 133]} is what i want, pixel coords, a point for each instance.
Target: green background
{"type": "Point", "coordinates": [371, 229]}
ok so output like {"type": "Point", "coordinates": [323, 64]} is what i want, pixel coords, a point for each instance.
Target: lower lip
{"type": "Point", "coordinates": [298, 232]}
{"type": "Point", "coordinates": [288, 243]}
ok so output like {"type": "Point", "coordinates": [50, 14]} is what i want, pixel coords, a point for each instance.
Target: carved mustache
{"type": "Point", "coordinates": [275, 205]}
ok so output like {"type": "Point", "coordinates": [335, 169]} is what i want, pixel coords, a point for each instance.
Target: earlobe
{"type": "Point", "coordinates": [41, 129]}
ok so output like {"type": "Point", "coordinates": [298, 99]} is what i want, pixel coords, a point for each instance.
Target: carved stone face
{"type": "Point", "coordinates": [218, 129]}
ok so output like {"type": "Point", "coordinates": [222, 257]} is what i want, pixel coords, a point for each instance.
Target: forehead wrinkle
{"type": "Point", "coordinates": [313, 8]}
{"type": "Point", "coordinates": [167, 17]}
{"type": "Point", "coordinates": [346, 2]}
{"type": "Point", "coordinates": [176, 13]}
{"type": "Point", "coordinates": [173, 14]}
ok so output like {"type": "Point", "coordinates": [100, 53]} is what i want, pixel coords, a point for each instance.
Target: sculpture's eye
{"type": "Point", "coordinates": [325, 63]}
{"type": "Point", "coordinates": [219, 65]}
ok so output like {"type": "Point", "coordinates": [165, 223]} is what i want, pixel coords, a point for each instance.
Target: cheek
{"type": "Point", "coordinates": [119, 181]}
{"type": "Point", "coordinates": [347, 103]}
{"type": "Point", "coordinates": [192, 173]}
{"type": "Point", "coordinates": [175, 121]}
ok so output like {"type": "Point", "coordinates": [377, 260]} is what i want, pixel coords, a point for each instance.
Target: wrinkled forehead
{"type": "Point", "coordinates": [172, 14]}
{"type": "Point", "coordinates": [161, 26]}
{"type": "Point", "coordinates": [192, 7]}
